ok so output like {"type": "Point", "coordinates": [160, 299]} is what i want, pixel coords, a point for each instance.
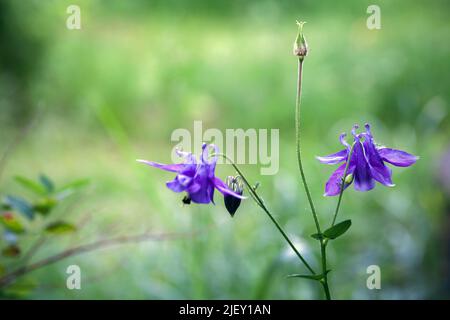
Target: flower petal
{"type": "Point", "coordinates": [333, 185]}
{"type": "Point", "coordinates": [334, 158]}
{"type": "Point", "coordinates": [194, 187]}
{"type": "Point", "coordinates": [397, 157]}
{"type": "Point", "coordinates": [223, 188]}
{"type": "Point", "coordinates": [383, 175]}
{"type": "Point", "coordinates": [211, 195]}
{"type": "Point", "coordinates": [343, 141]}
{"type": "Point", "coordinates": [380, 172]}
{"type": "Point", "coordinates": [188, 157]}
{"type": "Point", "coordinates": [175, 186]}
{"type": "Point", "coordinates": [205, 157]}
{"type": "Point", "coordinates": [197, 178]}
{"type": "Point", "coordinates": [203, 195]}
{"type": "Point", "coordinates": [363, 176]}
{"type": "Point", "coordinates": [175, 167]}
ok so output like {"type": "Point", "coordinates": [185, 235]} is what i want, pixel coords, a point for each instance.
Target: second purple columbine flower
{"type": "Point", "coordinates": [196, 177]}
{"type": "Point", "coordinates": [367, 163]}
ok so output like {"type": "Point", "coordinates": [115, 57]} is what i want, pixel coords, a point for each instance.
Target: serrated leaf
{"type": "Point", "coordinates": [60, 227]}
{"type": "Point", "coordinates": [47, 183]}
{"type": "Point", "coordinates": [317, 236]}
{"type": "Point", "coordinates": [20, 205]}
{"type": "Point", "coordinates": [316, 277]}
{"type": "Point", "coordinates": [11, 222]}
{"type": "Point", "coordinates": [31, 185]}
{"type": "Point", "coordinates": [337, 230]}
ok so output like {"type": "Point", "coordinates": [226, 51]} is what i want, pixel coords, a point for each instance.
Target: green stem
{"type": "Point", "coordinates": [324, 281]}
{"type": "Point", "coordinates": [261, 204]}
{"type": "Point", "coordinates": [323, 244]}
{"type": "Point", "coordinates": [297, 131]}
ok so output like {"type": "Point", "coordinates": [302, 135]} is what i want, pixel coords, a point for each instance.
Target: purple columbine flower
{"type": "Point", "coordinates": [196, 178]}
{"type": "Point", "coordinates": [367, 163]}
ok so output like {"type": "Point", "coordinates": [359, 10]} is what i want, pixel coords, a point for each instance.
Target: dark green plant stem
{"type": "Point", "coordinates": [261, 204]}
{"type": "Point", "coordinates": [324, 281]}
{"type": "Point", "coordinates": [342, 185]}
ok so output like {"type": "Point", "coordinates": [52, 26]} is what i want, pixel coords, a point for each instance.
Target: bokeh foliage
{"type": "Point", "coordinates": [100, 97]}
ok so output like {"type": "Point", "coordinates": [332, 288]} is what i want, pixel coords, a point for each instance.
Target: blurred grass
{"type": "Point", "coordinates": [115, 90]}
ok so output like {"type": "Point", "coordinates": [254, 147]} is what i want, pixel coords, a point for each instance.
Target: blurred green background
{"type": "Point", "coordinates": [86, 103]}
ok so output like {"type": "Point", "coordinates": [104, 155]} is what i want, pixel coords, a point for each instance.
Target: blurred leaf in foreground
{"type": "Point", "coordinates": [44, 205]}
{"type": "Point", "coordinates": [47, 183]}
{"type": "Point", "coordinates": [70, 188]}
{"type": "Point", "coordinates": [60, 227]}
{"type": "Point", "coordinates": [31, 185]}
{"type": "Point", "coordinates": [11, 222]}
{"type": "Point", "coordinates": [20, 205]}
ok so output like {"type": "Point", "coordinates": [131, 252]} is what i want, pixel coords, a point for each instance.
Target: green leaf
{"type": "Point", "coordinates": [20, 205]}
{"type": "Point", "coordinates": [317, 236]}
{"type": "Point", "coordinates": [60, 227]}
{"type": "Point", "coordinates": [70, 188]}
{"type": "Point", "coordinates": [44, 205]}
{"type": "Point", "coordinates": [337, 230]}
{"type": "Point", "coordinates": [77, 184]}
{"type": "Point", "coordinates": [31, 185]}
{"type": "Point", "coordinates": [11, 222]}
{"type": "Point", "coordinates": [316, 277]}
{"type": "Point", "coordinates": [47, 183]}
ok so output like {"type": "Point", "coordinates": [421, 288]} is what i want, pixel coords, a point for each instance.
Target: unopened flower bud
{"type": "Point", "coordinates": [348, 179]}
{"type": "Point", "coordinates": [186, 200]}
{"type": "Point", "coordinates": [300, 44]}
{"type": "Point", "coordinates": [232, 203]}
